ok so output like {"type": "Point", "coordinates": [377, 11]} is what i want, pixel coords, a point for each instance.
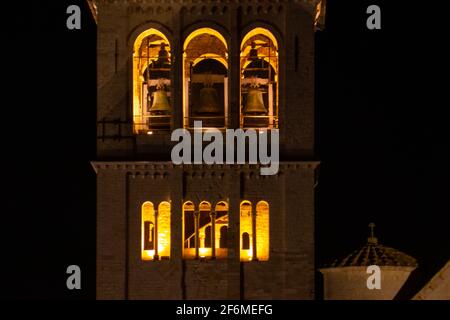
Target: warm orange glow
{"type": "Point", "coordinates": [246, 227]}
{"type": "Point", "coordinates": [148, 228]}
{"type": "Point", "coordinates": [164, 230]}
{"type": "Point", "coordinates": [147, 225]}
{"type": "Point", "coordinates": [259, 31]}
{"type": "Point", "coordinates": [188, 214]}
{"type": "Point", "coordinates": [201, 31]}
{"type": "Point", "coordinates": [259, 63]}
{"type": "Point", "coordinates": [143, 56]}
{"type": "Point", "coordinates": [262, 231]}
{"type": "Point", "coordinates": [202, 44]}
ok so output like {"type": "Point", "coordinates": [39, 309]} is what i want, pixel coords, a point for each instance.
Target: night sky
{"type": "Point", "coordinates": [382, 127]}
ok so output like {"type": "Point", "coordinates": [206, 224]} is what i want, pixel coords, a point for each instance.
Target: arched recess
{"type": "Point", "coordinates": [221, 229]}
{"type": "Point", "coordinates": [148, 225]}
{"type": "Point", "coordinates": [205, 78]}
{"type": "Point", "coordinates": [164, 230]}
{"type": "Point", "coordinates": [259, 66]}
{"type": "Point", "coordinates": [152, 73]}
{"type": "Point", "coordinates": [204, 222]}
{"type": "Point", "coordinates": [189, 229]}
{"type": "Point", "coordinates": [246, 231]}
{"type": "Point", "coordinates": [262, 231]}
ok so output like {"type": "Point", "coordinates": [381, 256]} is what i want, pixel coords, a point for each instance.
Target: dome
{"type": "Point", "coordinates": [373, 253]}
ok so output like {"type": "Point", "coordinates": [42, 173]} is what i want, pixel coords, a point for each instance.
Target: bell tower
{"type": "Point", "coordinates": [197, 231]}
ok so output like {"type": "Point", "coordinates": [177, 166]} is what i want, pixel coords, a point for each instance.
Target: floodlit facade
{"type": "Point", "coordinates": [220, 231]}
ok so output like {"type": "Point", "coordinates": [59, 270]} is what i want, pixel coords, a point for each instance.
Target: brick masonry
{"type": "Point", "coordinates": [124, 184]}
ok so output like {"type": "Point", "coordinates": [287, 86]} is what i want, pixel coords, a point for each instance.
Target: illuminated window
{"type": "Point", "coordinates": [155, 231]}
{"type": "Point", "coordinates": [254, 232]}
{"type": "Point", "coordinates": [262, 231]}
{"type": "Point", "coordinates": [189, 231]}
{"type": "Point", "coordinates": [259, 80]}
{"type": "Point", "coordinates": [164, 230]}
{"type": "Point", "coordinates": [148, 231]}
{"type": "Point", "coordinates": [152, 106]}
{"type": "Point", "coordinates": [205, 79]}
{"type": "Point", "coordinates": [221, 230]}
{"type": "Point", "coordinates": [246, 231]}
{"type": "Point", "coordinates": [204, 221]}
{"type": "Point", "coordinates": [205, 232]}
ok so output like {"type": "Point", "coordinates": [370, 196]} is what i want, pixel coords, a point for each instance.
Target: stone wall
{"type": "Point", "coordinates": [123, 188]}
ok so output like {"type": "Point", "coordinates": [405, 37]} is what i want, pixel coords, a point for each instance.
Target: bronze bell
{"type": "Point", "coordinates": [255, 103]}
{"type": "Point", "coordinates": [160, 104]}
{"type": "Point", "coordinates": [209, 101]}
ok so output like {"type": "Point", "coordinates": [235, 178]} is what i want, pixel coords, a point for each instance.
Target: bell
{"type": "Point", "coordinates": [255, 103]}
{"type": "Point", "coordinates": [160, 104]}
{"type": "Point", "coordinates": [163, 56]}
{"type": "Point", "coordinates": [209, 101]}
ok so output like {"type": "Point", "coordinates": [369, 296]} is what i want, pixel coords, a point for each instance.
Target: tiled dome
{"type": "Point", "coordinates": [374, 253]}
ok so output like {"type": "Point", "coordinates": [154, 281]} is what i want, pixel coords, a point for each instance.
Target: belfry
{"type": "Point", "coordinates": [221, 231]}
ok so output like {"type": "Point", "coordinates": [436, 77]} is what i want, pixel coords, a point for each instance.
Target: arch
{"type": "Point", "coordinates": [188, 229]}
{"type": "Point", "coordinates": [246, 228]}
{"type": "Point", "coordinates": [223, 61]}
{"type": "Point", "coordinates": [205, 40]}
{"type": "Point", "coordinates": [152, 74]}
{"type": "Point", "coordinates": [204, 206]}
{"type": "Point", "coordinates": [148, 224]}
{"type": "Point", "coordinates": [164, 216]}
{"type": "Point", "coordinates": [259, 68]}
{"type": "Point", "coordinates": [222, 206]}
{"type": "Point", "coordinates": [145, 34]}
{"type": "Point", "coordinates": [258, 28]}
{"type": "Point", "coordinates": [262, 230]}
{"type": "Point", "coordinates": [204, 30]}
{"type": "Point", "coordinates": [143, 27]}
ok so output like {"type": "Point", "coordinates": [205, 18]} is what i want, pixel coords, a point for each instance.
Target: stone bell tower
{"type": "Point", "coordinates": [221, 231]}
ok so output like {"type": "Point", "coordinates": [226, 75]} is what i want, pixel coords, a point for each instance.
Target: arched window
{"type": "Point", "coordinates": [262, 231]}
{"type": "Point", "coordinates": [254, 231]}
{"type": "Point", "coordinates": [259, 80]}
{"type": "Point", "coordinates": [189, 230]}
{"type": "Point", "coordinates": [221, 229]}
{"type": "Point", "coordinates": [246, 231]}
{"type": "Point", "coordinates": [148, 232]}
{"type": "Point", "coordinates": [152, 65]}
{"type": "Point", "coordinates": [155, 231]}
{"type": "Point", "coordinates": [205, 231]}
{"type": "Point", "coordinates": [205, 79]}
{"type": "Point", "coordinates": [164, 230]}
{"type": "Point", "coordinates": [204, 222]}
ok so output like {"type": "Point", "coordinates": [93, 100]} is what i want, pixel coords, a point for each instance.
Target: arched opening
{"type": "Point", "coordinates": [148, 224]}
{"type": "Point", "coordinates": [189, 229]}
{"type": "Point", "coordinates": [262, 231]}
{"type": "Point", "coordinates": [164, 230]}
{"type": "Point", "coordinates": [204, 222]}
{"type": "Point", "coordinates": [259, 80]}
{"type": "Point", "coordinates": [246, 228]}
{"type": "Point", "coordinates": [152, 66]}
{"type": "Point", "coordinates": [205, 79]}
{"type": "Point", "coordinates": [221, 229]}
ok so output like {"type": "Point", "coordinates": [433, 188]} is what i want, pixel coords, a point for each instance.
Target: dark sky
{"type": "Point", "coordinates": [382, 128]}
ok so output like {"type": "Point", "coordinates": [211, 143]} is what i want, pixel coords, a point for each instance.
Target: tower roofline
{"type": "Point", "coordinates": [317, 8]}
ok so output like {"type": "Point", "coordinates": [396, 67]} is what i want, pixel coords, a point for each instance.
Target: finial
{"type": "Point", "coordinates": [372, 238]}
